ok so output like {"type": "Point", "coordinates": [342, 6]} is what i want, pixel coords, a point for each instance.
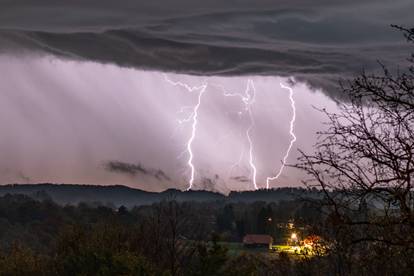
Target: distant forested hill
{"type": "Point", "coordinates": [118, 195]}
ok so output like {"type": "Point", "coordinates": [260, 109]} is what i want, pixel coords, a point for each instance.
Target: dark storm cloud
{"type": "Point", "coordinates": [315, 41]}
{"type": "Point", "coordinates": [135, 169]}
{"type": "Point", "coordinates": [242, 179]}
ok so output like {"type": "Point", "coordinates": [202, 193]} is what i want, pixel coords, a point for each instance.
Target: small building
{"type": "Point", "coordinates": [251, 240]}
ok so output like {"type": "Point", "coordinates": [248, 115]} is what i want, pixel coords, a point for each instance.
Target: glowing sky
{"type": "Point", "coordinates": [62, 121]}
{"type": "Point", "coordinates": [84, 99]}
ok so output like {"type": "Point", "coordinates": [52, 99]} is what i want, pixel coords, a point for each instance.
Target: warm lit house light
{"type": "Point", "coordinates": [294, 237]}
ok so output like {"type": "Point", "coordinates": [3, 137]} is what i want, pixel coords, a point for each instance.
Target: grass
{"type": "Point", "coordinates": [235, 248]}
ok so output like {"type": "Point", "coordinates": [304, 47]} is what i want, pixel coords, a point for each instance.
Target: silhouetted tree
{"type": "Point", "coordinates": [210, 260]}
{"type": "Point", "coordinates": [364, 164]}
{"type": "Point", "coordinates": [225, 219]}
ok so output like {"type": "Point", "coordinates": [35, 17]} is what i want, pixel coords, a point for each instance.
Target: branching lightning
{"type": "Point", "coordinates": [193, 133]}
{"type": "Point", "coordinates": [248, 99]}
{"type": "Point", "coordinates": [194, 119]}
{"type": "Point", "coordinates": [292, 135]}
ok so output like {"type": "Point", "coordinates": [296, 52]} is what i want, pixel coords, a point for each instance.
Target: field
{"type": "Point", "coordinates": [236, 248]}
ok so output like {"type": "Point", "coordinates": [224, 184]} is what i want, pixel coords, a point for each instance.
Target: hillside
{"type": "Point", "coordinates": [118, 195]}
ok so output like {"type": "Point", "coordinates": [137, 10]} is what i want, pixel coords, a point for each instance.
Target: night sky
{"type": "Point", "coordinates": [87, 90]}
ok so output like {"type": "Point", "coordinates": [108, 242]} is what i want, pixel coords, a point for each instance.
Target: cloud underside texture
{"type": "Point", "coordinates": [319, 43]}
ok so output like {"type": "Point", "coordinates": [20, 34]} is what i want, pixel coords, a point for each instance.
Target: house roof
{"type": "Point", "coordinates": [257, 239]}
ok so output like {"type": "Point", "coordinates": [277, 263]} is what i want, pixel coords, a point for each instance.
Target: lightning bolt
{"type": "Point", "coordinates": [248, 99]}
{"type": "Point", "coordinates": [292, 135]}
{"type": "Point", "coordinates": [193, 118]}
{"type": "Point", "coordinates": [251, 100]}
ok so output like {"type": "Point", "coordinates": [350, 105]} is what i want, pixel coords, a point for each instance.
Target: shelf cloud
{"type": "Point", "coordinates": [317, 42]}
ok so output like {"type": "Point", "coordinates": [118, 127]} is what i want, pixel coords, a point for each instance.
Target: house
{"type": "Point", "coordinates": [252, 240]}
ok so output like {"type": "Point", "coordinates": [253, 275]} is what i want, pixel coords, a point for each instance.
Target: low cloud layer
{"type": "Point", "coordinates": [318, 42]}
{"type": "Point", "coordinates": [135, 170]}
